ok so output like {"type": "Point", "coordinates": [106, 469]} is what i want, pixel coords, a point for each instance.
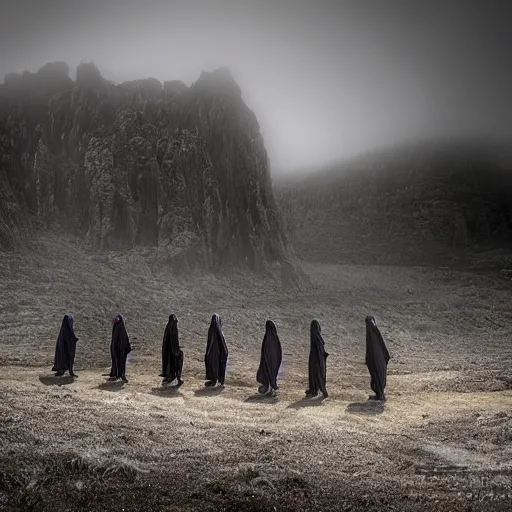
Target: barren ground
{"type": "Point", "coordinates": [442, 441]}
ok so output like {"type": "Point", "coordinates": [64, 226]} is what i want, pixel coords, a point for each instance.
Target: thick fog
{"type": "Point", "coordinates": [326, 78]}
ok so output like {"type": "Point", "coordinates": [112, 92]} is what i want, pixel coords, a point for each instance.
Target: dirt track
{"type": "Point", "coordinates": [441, 442]}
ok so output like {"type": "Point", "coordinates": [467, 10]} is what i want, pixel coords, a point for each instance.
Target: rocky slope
{"type": "Point", "coordinates": [138, 164]}
{"type": "Point", "coordinates": [416, 203]}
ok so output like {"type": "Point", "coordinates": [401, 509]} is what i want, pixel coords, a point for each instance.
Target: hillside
{"type": "Point", "coordinates": [138, 164]}
{"type": "Point", "coordinates": [418, 203]}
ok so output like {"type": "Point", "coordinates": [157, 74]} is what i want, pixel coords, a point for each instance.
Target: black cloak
{"type": "Point", "coordinates": [216, 355]}
{"type": "Point", "coordinates": [317, 362]}
{"type": "Point", "coordinates": [172, 355]}
{"type": "Point", "coordinates": [119, 349]}
{"type": "Point", "coordinates": [377, 358]}
{"type": "Point", "coordinates": [65, 348]}
{"type": "Point", "coordinates": [271, 358]}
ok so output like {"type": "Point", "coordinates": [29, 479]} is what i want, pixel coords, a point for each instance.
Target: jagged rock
{"type": "Point", "coordinates": [141, 90]}
{"type": "Point", "coordinates": [174, 87]}
{"type": "Point", "coordinates": [49, 79]}
{"type": "Point", "coordinates": [219, 81]}
{"type": "Point", "coordinates": [11, 216]}
{"type": "Point", "coordinates": [141, 172]}
{"type": "Point", "coordinates": [141, 164]}
{"type": "Point", "coordinates": [88, 78]}
{"type": "Point", "coordinates": [190, 194]}
{"type": "Point", "coordinates": [236, 149]}
{"type": "Point", "coordinates": [106, 200]}
{"type": "Point", "coordinates": [54, 72]}
{"type": "Point", "coordinates": [45, 182]}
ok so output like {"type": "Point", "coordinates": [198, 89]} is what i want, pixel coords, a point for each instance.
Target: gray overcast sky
{"type": "Point", "coordinates": [325, 78]}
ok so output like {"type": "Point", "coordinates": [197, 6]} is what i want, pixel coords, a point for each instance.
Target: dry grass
{"type": "Point", "coordinates": [441, 442]}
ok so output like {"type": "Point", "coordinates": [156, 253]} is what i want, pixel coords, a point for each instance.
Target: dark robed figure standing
{"type": "Point", "coordinates": [65, 348]}
{"type": "Point", "coordinates": [270, 360]}
{"type": "Point", "coordinates": [119, 349]}
{"type": "Point", "coordinates": [172, 355]}
{"type": "Point", "coordinates": [377, 358]}
{"type": "Point", "coordinates": [317, 362]}
{"type": "Point", "coordinates": [216, 356]}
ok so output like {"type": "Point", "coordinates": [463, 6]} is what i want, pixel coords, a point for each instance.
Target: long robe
{"type": "Point", "coordinates": [271, 358]}
{"type": "Point", "coordinates": [377, 358]}
{"type": "Point", "coordinates": [317, 367]}
{"type": "Point", "coordinates": [172, 355]}
{"type": "Point", "coordinates": [119, 348]}
{"type": "Point", "coordinates": [65, 348]}
{"type": "Point", "coordinates": [216, 356]}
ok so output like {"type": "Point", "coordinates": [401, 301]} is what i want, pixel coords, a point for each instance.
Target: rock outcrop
{"type": "Point", "coordinates": [141, 163]}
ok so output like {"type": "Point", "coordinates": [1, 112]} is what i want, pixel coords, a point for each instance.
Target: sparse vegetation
{"type": "Point", "coordinates": [441, 441]}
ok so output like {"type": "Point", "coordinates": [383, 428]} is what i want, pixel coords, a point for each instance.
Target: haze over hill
{"type": "Point", "coordinates": [139, 164]}
{"type": "Point", "coordinates": [415, 203]}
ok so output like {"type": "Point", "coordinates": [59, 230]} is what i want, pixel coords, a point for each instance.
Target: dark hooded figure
{"type": "Point", "coordinates": [377, 358]}
{"type": "Point", "coordinates": [65, 348]}
{"type": "Point", "coordinates": [119, 349]}
{"type": "Point", "coordinates": [317, 362]}
{"type": "Point", "coordinates": [216, 356]}
{"type": "Point", "coordinates": [172, 355]}
{"type": "Point", "coordinates": [270, 360]}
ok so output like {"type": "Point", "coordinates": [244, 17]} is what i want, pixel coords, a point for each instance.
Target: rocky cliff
{"type": "Point", "coordinates": [139, 163]}
{"type": "Point", "coordinates": [415, 203]}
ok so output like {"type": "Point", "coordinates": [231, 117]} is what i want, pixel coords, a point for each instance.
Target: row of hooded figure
{"type": "Point", "coordinates": [216, 356]}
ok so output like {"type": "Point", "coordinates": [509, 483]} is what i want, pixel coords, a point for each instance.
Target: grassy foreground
{"type": "Point", "coordinates": [441, 442]}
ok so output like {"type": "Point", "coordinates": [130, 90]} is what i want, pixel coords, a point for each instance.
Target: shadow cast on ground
{"type": "Point", "coordinates": [306, 402]}
{"type": "Point", "coordinates": [213, 391]}
{"type": "Point", "coordinates": [369, 408]}
{"type": "Point", "coordinates": [262, 399]}
{"type": "Point", "coordinates": [111, 386]}
{"type": "Point", "coordinates": [51, 380]}
{"type": "Point", "coordinates": [166, 391]}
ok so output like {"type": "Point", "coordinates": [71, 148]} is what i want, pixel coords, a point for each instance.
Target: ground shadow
{"type": "Point", "coordinates": [116, 385]}
{"type": "Point", "coordinates": [262, 399]}
{"type": "Point", "coordinates": [369, 408]}
{"type": "Point", "coordinates": [306, 402]}
{"type": "Point", "coordinates": [208, 391]}
{"type": "Point", "coordinates": [51, 380]}
{"type": "Point", "coordinates": [168, 391]}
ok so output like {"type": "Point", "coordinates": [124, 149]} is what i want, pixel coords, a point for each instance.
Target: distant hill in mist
{"type": "Point", "coordinates": [413, 203]}
{"type": "Point", "coordinates": [141, 163]}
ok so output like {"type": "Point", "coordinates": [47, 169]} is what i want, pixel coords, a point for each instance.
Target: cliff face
{"type": "Point", "coordinates": [140, 164]}
{"type": "Point", "coordinates": [413, 204]}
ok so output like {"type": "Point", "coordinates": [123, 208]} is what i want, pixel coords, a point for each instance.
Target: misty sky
{"type": "Point", "coordinates": [326, 78]}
